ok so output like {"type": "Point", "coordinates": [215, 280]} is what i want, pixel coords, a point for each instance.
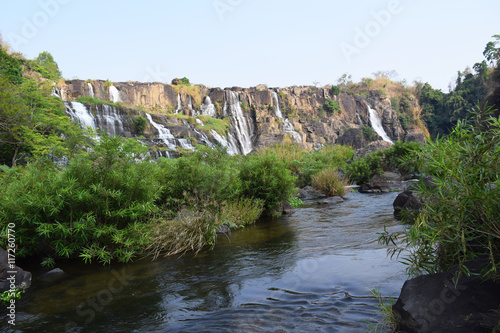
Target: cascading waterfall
{"type": "Point", "coordinates": [360, 121]}
{"type": "Point", "coordinates": [114, 94]}
{"type": "Point", "coordinates": [79, 113]}
{"type": "Point", "coordinates": [287, 125]}
{"type": "Point", "coordinates": [56, 92]}
{"type": "Point", "coordinates": [110, 120]}
{"type": "Point", "coordinates": [377, 125]}
{"type": "Point", "coordinates": [179, 103]}
{"type": "Point", "coordinates": [240, 125]}
{"type": "Point", "coordinates": [202, 137]}
{"type": "Point", "coordinates": [163, 133]}
{"type": "Point", "coordinates": [91, 90]}
{"type": "Point", "coordinates": [186, 144]}
{"type": "Point", "coordinates": [224, 143]}
{"type": "Point", "coordinates": [277, 111]}
{"type": "Point", "coordinates": [208, 109]}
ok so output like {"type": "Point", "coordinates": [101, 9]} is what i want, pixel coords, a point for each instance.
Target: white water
{"type": "Point", "coordinates": [179, 103]}
{"type": "Point", "coordinates": [110, 121]}
{"type": "Point", "coordinates": [114, 94]}
{"type": "Point", "coordinates": [163, 133]}
{"type": "Point", "coordinates": [360, 120]}
{"type": "Point", "coordinates": [377, 125]}
{"type": "Point", "coordinates": [91, 90]}
{"type": "Point", "coordinates": [190, 104]}
{"type": "Point", "coordinates": [277, 111]}
{"type": "Point", "coordinates": [56, 92]}
{"type": "Point", "coordinates": [239, 123]}
{"type": "Point", "coordinates": [287, 125]}
{"type": "Point", "coordinates": [208, 109]}
{"type": "Point", "coordinates": [186, 144]}
{"type": "Point", "coordinates": [79, 112]}
{"type": "Point", "coordinates": [223, 142]}
{"type": "Point", "coordinates": [203, 137]}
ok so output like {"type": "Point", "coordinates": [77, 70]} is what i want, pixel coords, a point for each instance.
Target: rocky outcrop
{"type": "Point", "coordinates": [266, 116]}
{"type": "Point", "coordinates": [409, 200]}
{"type": "Point", "coordinates": [12, 276]}
{"type": "Point", "coordinates": [434, 303]}
{"type": "Point", "coordinates": [388, 182]}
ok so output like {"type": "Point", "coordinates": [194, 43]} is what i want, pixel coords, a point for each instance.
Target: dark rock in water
{"type": "Point", "coordinates": [309, 192]}
{"type": "Point", "coordinates": [409, 200]}
{"type": "Point", "coordinates": [330, 201]}
{"type": "Point", "coordinates": [433, 303]}
{"type": "Point", "coordinates": [52, 276]}
{"type": "Point", "coordinates": [388, 182]}
{"type": "Point", "coordinates": [21, 277]}
{"type": "Point", "coordinates": [286, 208]}
{"type": "Point", "coordinates": [224, 229]}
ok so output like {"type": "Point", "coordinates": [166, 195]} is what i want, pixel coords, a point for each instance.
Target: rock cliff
{"type": "Point", "coordinates": [257, 117]}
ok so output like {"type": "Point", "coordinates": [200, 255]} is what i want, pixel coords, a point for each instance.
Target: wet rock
{"type": "Point", "coordinates": [52, 276]}
{"type": "Point", "coordinates": [21, 277]}
{"type": "Point", "coordinates": [409, 199]}
{"type": "Point", "coordinates": [330, 201]}
{"type": "Point", "coordinates": [308, 192]}
{"type": "Point", "coordinates": [388, 182]}
{"type": "Point", "coordinates": [433, 303]}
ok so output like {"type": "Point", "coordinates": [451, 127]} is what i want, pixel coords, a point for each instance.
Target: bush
{"type": "Point", "coordinates": [363, 169]}
{"type": "Point", "coordinates": [330, 183]}
{"type": "Point", "coordinates": [369, 133]}
{"type": "Point", "coordinates": [335, 90]}
{"type": "Point", "coordinates": [267, 179]}
{"type": "Point", "coordinates": [332, 106]}
{"type": "Point", "coordinates": [459, 221]}
{"type": "Point", "coordinates": [403, 120]}
{"type": "Point", "coordinates": [140, 124]}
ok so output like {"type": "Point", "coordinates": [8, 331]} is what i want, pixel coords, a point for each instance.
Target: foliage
{"type": "Point", "coordinates": [48, 67]}
{"type": "Point", "coordinates": [389, 322]}
{"type": "Point", "coordinates": [330, 183]}
{"type": "Point", "coordinates": [7, 295]}
{"type": "Point", "coordinates": [403, 120]}
{"type": "Point", "coordinates": [335, 90]}
{"type": "Point", "coordinates": [265, 178]}
{"type": "Point", "coordinates": [108, 83]}
{"type": "Point", "coordinates": [183, 81]}
{"type": "Point", "coordinates": [369, 133]}
{"type": "Point", "coordinates": [332, 107]}
{"type": "Point", "coordinates": [221, 126]}
{"type": "Point", "coordinates": [140, 123]}
{"type": "Point", "coordinates": [459, 221]}
{"type": "Point", "coordinates": [95, 101]}
{"type": "Point", "coordinates": [93, 209]}
{"type": "Point", "coordinates": [10, 67]}
{"type": "Point", "coordinates": [363, 169]}
{"type": "Point", "coordinates": [295, 202]}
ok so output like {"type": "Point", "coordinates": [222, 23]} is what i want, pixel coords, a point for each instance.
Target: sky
{"type": "Point", "coordinates": [226, 43]}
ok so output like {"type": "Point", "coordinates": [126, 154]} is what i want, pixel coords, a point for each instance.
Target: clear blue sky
{"type": "Point", "coordinates": [224, 43]}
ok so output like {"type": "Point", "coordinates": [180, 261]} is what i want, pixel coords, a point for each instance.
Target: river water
{"type": "Point", "coordinates": [307, 272]}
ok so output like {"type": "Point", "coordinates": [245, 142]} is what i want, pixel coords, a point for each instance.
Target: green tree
{"type": "Point", "coordinates": [49, 67]}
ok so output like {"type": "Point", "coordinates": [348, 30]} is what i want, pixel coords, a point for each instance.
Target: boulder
{"type": "Point", "coordinates": [330, 201]}
{"type": "Point", "coordinates": [52, 276]}
{"type": "Point", "coordinates": [308, 192]}
{"type": "Point", "coordinates": [21, 277]}
{"type": "Point", "coordinates": [409, 200]}
{"type": "Point", "coordinates": [433, 303]}
{"type": "Point", "coordinates": [388, 182]}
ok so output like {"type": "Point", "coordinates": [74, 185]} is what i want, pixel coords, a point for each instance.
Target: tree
{"type": "Point", "coordinates": [49, 68]}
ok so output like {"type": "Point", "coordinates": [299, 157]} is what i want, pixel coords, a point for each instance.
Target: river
{"type": "Point", "coordinates": [307, 272]}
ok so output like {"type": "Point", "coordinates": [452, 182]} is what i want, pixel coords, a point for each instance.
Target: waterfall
{"type": "Point", "coordinates": [277, 111]}
{"type": "Point", "coordinates": [91, 90]}
{"type": "Point", "coordinates": [186, 144]}
{"type": "Point", "coordinates": [179, 103]}
{"type": "Point", "coordinates": [240, 125]}
{"type": "Point", "coordinates": [223, 142]}
{"type": "Point", "coordinates": [203, 137]}
{"type": "Point", "coordinates": [56, 92]}
{"type": "Point", "coordinates": [377, 125]}
{"type": "Point", "coordinates": [110, 120]}
{"type": "Point", "coordinates": [287, 125]}
{"type": "Point", "coordinates": [79, 112]}
{"type": "Point", "coordinates": [114, 94]}
{"type": "Point", "coordinates": [208, 109]}
{"type": "Point", "coordinates": [163, 133]}
{"type": "Point", "coordinates": [359, 120]}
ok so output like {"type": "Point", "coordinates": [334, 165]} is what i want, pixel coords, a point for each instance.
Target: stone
{"type": "Point", "coordinates": [433, 303]}
{"type": "Point", "coordinates": [388, 182]}
{"type": "Point", "coordinates": [330, 201]}
{"type": "Point", "coordinates": [52, 276]}
{"type": "Point", "coordinates": [409, 199]}
{"type": "Point", "coordinates": [21, 277]}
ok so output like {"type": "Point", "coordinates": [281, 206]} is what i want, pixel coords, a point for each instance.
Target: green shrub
{"type": "Point", "coordinates": [267, 179]}
{"type": "Point", "coordinates": [335, 90]}
{"type": "Point", "coordinates": [330, 183]}
{"type": "Point", "coordinates": [140, 124]}
{"type": "Point", "coordinates": [403, 120]}
{"type": "Point", "coordinates": [369, 133]}
{"type": "Point", "coordinates": [332, 106]}
{"type": "Point", "coordinates": [363, 169]}
{"type": "Point", "coordinates": [459, 221]}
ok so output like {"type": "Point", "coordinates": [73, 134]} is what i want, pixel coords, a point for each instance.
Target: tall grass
{"type": "Point", "coordinates": [330, 183]}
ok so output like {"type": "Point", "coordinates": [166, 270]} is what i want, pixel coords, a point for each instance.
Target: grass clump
{"type": "Point", "coordinates": [330, 183]}
{"type": "Point", "coordinates": [388, 322]}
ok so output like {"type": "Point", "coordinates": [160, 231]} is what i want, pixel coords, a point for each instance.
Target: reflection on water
{"type": "Point", "coordinates": [311, 271]}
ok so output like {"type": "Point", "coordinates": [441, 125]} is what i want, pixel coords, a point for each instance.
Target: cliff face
{"type": "Point", "coordinates": [259, 117]}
